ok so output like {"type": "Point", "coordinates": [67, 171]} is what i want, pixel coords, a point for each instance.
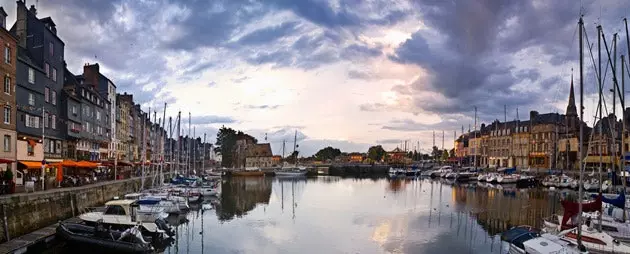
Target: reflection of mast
{"type": "Point", "coordinates": [430, 204]}
{"type": "Point", "coordinates": [293, 198]}
{"type": "Point", "coordinates": [282, 194]}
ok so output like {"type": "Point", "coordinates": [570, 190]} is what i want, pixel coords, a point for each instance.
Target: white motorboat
{"type": "Point", "coordinates": [551, 181]}
{"type": "Point", "coordinates": [511, 178]}
{"type": "Point", "coordinates": [594, 241]}
{"type": "Point", "coordinates": [466, 176]}
{"type": "Point", "coordinates": [491, 178]}
{"type": "Point", "coordinates": [145, 201]}
{"type": "Point", "coordinates": [182, 202]}
{"type": "Point", "coordinates": [574, 184]}
{"type": "Point", "coordinates": [481, 177]}
{"type": "Point", "coordinates": [123, 214]}
{"type": "Point", "coordinates": [445, 171]}
{"type": "Point", "coordinates": [524, 239]}
{"type": "Point", "coordinates": [451, 175]}
{"type": "Point", "coordinates": [565, 181]}
{"type": "Point", "coordinates": [591, 184]}
{"type": "Point", "coordinates": [292, 172]}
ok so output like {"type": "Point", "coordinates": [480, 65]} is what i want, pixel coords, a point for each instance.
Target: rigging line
{"type": "Point", "coordinates": [558, 88]}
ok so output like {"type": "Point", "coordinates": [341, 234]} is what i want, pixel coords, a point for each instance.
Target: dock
{"type": "Point", "coordinates": [37, 240]}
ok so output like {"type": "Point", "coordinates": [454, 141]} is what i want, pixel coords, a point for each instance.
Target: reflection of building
{"type": "Point", "coordinates": [241, 195]}
{"type": "Point", "coordinates": [259, 155]}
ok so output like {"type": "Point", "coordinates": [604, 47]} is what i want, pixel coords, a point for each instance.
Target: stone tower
{"type": "Point", "coordinates": [572, 116]}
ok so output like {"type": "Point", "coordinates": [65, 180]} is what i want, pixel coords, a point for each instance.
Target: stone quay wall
{"type": "Point", "coordinates": [26, 212]}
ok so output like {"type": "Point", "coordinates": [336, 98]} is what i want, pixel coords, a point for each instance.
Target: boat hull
{"type": "Point", "coordinates": [290, 174]}
{"type": "Point", "coordinates": [84, 235]}
{"type": "Point", "coordinates": [248, 173]}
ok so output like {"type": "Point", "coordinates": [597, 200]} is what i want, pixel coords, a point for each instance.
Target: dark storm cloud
{"type": "Point", "coordinates": [468, 64]}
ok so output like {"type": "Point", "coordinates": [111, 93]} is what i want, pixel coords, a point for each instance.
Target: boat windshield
{"type": "Point", "coordinates": [115, 210]}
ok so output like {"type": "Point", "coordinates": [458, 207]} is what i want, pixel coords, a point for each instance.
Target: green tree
{"type": "Point", "coordinates": [451, 153]}
{"type": "Point", "coordinates": [376, 153]}
{"type": "Point", "coordinates": [444, 155]}
{"type": "Point", "coordinates": [327, 153]}
{"type": "Point", "coordinates": [436, 153]}
{"type": "Point", "coordinates": [226, 144]}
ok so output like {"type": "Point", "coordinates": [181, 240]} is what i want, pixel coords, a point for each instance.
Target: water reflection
{"type": "Point", "coordinates": [342, 215]}
{"type": "Point", "coordinates": [241, 195]}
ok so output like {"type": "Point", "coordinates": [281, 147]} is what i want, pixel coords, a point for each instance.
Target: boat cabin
{"type": "Point", "coordinates": [121, 207]}
{"type": "Point", "coordinates": [134, 196]}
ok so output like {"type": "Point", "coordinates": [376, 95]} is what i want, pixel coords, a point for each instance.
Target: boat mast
{"type": "Point", "coordinates": [203, 155]}
{"type": "Point", "coordinates": [179, 141]}
{"type": "Point", "coordinates": [599, 105]}
{"type": "Point", "coordinates": [162, 145]}
{"type": "Point", "coordinates": [623, 103]}
{"type": "Point", "coordinates": [188, 150]}
{"type": "Point", "coordinates": [295, 146]}
{"type": "Point", "coordinates": [623, 131]}
{"type": "Point", "coordinates": [580, 148]}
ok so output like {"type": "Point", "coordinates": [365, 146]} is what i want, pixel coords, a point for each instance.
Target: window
{"type": "Point", "coordinates": [7, 85]}
{"type": "Point", "coordinates": [51, 48]}
{"type": "Point", "coordinates": [31, 99]}
{"type": "Point", "coordinates": [74, 110]}
{"type": "Point", "coordinates": [47, 69]}
{"type": "Point", "coordinates": [46, 117]}
{"type": "Point", "coordinates": [30, 149]}
{"type": "Point", "coordinates": [7, 55]}
{"type": "Point", "coordinates": [31, 75]}
{"type": "Point", "coordinates": [98, 115]}
{"type": "Point", "coordinates": [51, 146]}
{"type": "Point", "coordinates": [53, 97]}
{"type": "Point", "coordinates": [7, 114]}
{"type": "Point", "coordinates": [54, 74]}
{"type": "Point", "coordinates": [47, 94]}
{"type": "Point", "coordinates": [32, 121]}
{"type": "Point", "coordinates": [7, 143]}
{"type": "Point", "coordinates": [87, 127]}
{"type": "Point", "coordinates": [54, 122]}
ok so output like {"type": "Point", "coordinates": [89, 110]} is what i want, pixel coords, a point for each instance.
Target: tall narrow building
{"type": "Point", "coordinates": [7, 98]}
{"type": "Point", "coordinates": [39, 81]}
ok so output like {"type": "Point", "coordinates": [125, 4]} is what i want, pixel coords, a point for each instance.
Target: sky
{"type": "Point", "coordinates": [341, 73]}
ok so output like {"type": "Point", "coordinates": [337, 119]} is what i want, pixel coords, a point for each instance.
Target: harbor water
{"type": "Point", "coordinates": [348, 215]}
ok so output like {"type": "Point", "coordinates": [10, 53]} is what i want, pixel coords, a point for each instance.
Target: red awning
{"type": "Point", "coordinates": [6, 161]}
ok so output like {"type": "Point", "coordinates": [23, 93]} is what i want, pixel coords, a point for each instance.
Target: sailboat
{"type": "Point", "coordinates": [292, 170]}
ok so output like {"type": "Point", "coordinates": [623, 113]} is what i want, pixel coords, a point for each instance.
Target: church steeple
{"type": "Point", "coordinates": [571, 109]}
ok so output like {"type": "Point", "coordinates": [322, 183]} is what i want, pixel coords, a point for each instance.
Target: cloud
{"type": "Point", "coordinates": [240, 79]}
{"type": "Point", "coordinates": [389, 141]}
{"type": "Point", "coordinates": [268, 34]}
{"type": "Point", "coordinates": [211, 119]}
{"type": "Point", "coordinates": [262, 106]}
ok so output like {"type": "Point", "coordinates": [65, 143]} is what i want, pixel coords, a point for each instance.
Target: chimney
{"type": "Point", "coordinates": [532, 115]}
{"type": "Point", "coordinates": [33, 10]}
{"type": "Point", "coordinates": [3, 18]}
{"type": "Point", "coordinates": [20, 23]}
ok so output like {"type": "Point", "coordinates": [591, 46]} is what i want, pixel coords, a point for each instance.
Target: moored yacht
{"type": "Point", "coordinates": [122, 214]}
{"type": "Point", "coordinates": [511, 178]}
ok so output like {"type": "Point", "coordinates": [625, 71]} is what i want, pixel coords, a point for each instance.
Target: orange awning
{"type": "Point", "coordinates": [86, 164]}
{"type": "Point", "coordinates": [65, 163]}
{"type": "Point", "coordinates": [32, 164]}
